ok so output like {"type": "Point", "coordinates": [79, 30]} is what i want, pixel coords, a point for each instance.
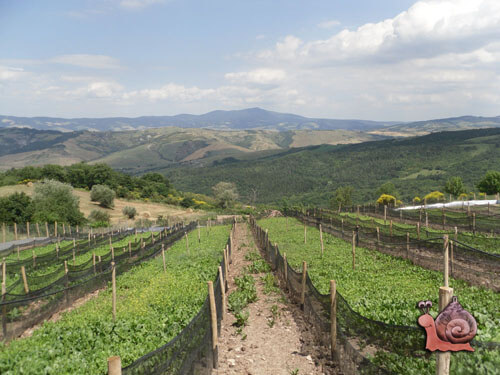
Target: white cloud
{"type": "Point", "coordinates": [87, 61]}
{"type": "Point", "coordinates": [137, 4]}
{"type": "Point", "coordinates": [10, 74]}
{"type": "Point", "coordinates": [259, 76]}
{"type": "Point", "coordinates": [97, 89]}
{"type": "Point", "coordinates": [171, 91]}
{"type": "Point", "coordinates": [328, 24]}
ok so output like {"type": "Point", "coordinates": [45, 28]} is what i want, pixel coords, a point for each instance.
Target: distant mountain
{"type": "Point", "coordinates": [245, 119]}
{"type": "Point", "coordinates": [433, 126]}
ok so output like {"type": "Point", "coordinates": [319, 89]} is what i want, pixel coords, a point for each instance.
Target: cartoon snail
{"type": "Point", "coordinates": [453, 329]}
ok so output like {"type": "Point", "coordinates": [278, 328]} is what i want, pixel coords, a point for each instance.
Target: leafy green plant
{"type": "Point", "coordinates": [129, 212]}
{"type": "Point", "coordinates": [153, 307]}
{"type": "Point", "coordinates": [245, 294]}
{"type": "Point", "coordinates": [258, 266]}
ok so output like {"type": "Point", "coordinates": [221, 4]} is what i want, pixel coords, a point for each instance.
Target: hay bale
{"type": "Point", "coordinates": [146, 214]}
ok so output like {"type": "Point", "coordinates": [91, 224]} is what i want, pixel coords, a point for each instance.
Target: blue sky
{"type": "Point", "coordinates": [381, 60]}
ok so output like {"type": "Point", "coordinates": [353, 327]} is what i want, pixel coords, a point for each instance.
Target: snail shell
{"type": "Point", "coordinates": [455, 325]}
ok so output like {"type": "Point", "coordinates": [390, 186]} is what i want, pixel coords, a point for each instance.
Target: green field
{"type": "Point", "coordinates": [152, 308]}
{"type": "Point", "coordinates": [382, 287]}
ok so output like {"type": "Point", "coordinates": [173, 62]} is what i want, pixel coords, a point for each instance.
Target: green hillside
{"type": "Point", "coordinates": [142, 150]}
{"type": "Point", "coordinates": [415, 165]}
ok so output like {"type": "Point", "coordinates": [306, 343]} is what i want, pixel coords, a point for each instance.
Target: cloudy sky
{"type": "Point", "coordinates": [366, 59]}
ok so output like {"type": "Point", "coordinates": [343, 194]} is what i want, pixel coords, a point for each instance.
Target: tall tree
{"type": "Point", "coordinates": [454, 186]}
{"type": "Point", "coordinates": [225, 194]}
{"type": "Point", "coordinates": [490, 183]}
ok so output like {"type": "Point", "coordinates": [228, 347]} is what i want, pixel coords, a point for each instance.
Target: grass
{"type": "Point", "coordinates": [144, 209]}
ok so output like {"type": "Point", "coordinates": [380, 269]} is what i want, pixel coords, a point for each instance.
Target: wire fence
{"type": "Point", "coordinates": [358, 338]}
{"type": "Point", "coordinates": [482, 219]}
{"type": "Point", "coordinates": [467, 263]}
{"type": "Point", "coordinates": [30, 299]}
{"type": "Point", "coordinates": [192, 351]}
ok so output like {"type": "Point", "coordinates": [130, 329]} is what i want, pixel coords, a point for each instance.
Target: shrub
{"type": "Point", "coordinates": [454, 186]}
{"type": "Point", "coordinates": [129, 211]}
{"type": "Point", "coordinates": [490, 183]}
{"type": "Point", "coordinates": [17, 207]}
{"type": "Point", "coordinates": [99, 218]}
{"type": "Point", "coordinates": [386, 199]}
{"type": "Point", "coordinates": [102, 194]}
{"type": "Point", "coordinates": [463, 196]}
{"type": "Point", "coordinates": [434, 197]}
{"type": "Point", "coordinates": [416, 200]}
{"type": "Point", "coordinates": [225, 194]}
{"type": "Point", "coordinates": [54, 201]}
{"type": "Point", "coordinates": [188, 202]}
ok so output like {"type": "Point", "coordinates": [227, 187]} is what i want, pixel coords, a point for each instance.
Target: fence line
{"type": "Point", "coordinates": [353, 330]}
{"type": "Point", "coordinates": [472, 265]}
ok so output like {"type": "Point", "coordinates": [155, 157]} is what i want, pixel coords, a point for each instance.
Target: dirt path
{"type": "Point", "coordinates": [275, 340]}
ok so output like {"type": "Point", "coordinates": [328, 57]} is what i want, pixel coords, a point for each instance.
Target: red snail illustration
{"type": "Point", "coordinates": [453, 329]}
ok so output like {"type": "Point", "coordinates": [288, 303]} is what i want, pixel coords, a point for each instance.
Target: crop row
{"type": "Point", "coordinates": [384, 288]}
{"type": "Point", "coordinates": [153, 306]}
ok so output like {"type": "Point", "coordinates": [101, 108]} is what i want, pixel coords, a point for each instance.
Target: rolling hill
{"type": "Point", "coordinates": [140, 151]}
{"type": "Point", "coordinates": [311, 174]}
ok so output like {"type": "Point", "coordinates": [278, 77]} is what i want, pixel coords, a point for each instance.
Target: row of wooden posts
{"type": "Point", "coordinates": [445, 292]}
{"type": "Point", "coordinates": [38, 232]}
{"type": "Point", "coordinates": [114, 362]}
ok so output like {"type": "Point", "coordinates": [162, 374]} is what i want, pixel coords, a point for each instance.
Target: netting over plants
{"type": "Point", "coordinates": [358, 337]}
{"type": "Point", "coordinates": [470, 264]}
{"type": "Point", "coordinates": [51, 292]}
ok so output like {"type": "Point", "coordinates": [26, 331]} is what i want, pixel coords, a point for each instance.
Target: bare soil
{"type": "Point", "coordinates": [278, 343]}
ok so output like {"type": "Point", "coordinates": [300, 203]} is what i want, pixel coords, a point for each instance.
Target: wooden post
{"type": "Point", "coordinates": [408, 245]}
{"type": "Point", "coordinates": [385, 214]}
{"type": "Point", "coordinates": [187, 242]}
{"type": "Point", "coordinates": [4, 311]}
{"type": "Point", "coordinates": [163, 256]}
{"type": "Point", "coordinates": [378, 236]}
{"type": "Point", "coordinates": [47, 229]}
{"type": "Point", "coordinates": [321, 239]}
{"type": "Point", "coordinates": [113, 285]}
{"type": "Point", "coordinates": [353, 250]}
{"type": "Point", "coordinates": [426, 220]}
{"type": "Point", "coordinates": [474, 223]}
{"type": "Point", "coordinates": [93, 262]}
{"type": "Point", "coordinates": [418, 231]}
{"type": "Point", "coordinates": [226, 264]}
{"type": "Point", "coordinates": [114, 366]}
{"type": "Point", "coordinates": [112, 253]}
{"type": "Point", "coordinates": [303, 291]}
{"type": "Point", "coordinates": [446, 261]}
{"type": "Point", "coordinates": [305, 233]}
{"type": "Point", "coordinates": [444, 217]}
{"type": "Point", "coordinates": [28, 229]}
{"type": "Point", "coordinates": [443, 358]}
{"type": "Point", "coordinates": [456, 234]}
{"type": "Point", "coordinates": [223, 292]}
{"type": "Point", "coordinates": [4, 271]}
{"type": "Point", "coordinates": [64, 229]}
{"type": "Point", "coordinates": [451, 258]}
{"type": "Point", "coordinates": [55, 228]}
{"type": "Point", "coordinates": [285, 270]}
{"type": "Point", "coordinates": [213, 320]}
{"type": "Point", "coordinates": [25, 280]}
{"type": "Point", "coordinates": [37, 229]}
{"type": "Point", "coordinates": [333, 317]}
{"type": "Point", "coordinates": [15, 230]}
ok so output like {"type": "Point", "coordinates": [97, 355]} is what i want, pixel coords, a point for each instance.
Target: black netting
{"type": "Point", "coordinates": [467, 263]}
{"type": "Point", "coordinates": [358, 337]}
{"type": "Point", "coordinates": [56, 290]}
